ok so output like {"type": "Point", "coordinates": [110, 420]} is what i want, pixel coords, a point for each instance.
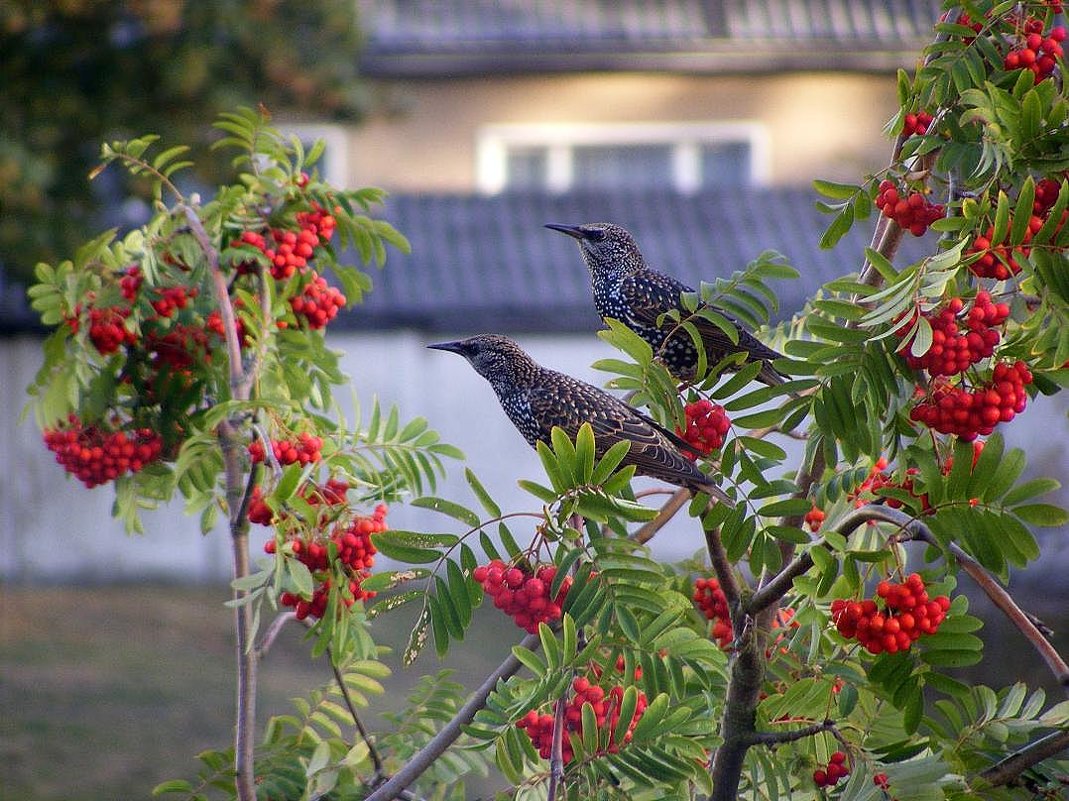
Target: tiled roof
{"type": "Point", "coordinates": [487, 263]}
{"type": "Point", "coordinates": [434, 37]}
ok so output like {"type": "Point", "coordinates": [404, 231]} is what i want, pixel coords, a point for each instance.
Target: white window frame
{"type": "Point", "coordinates": [336, 155]}
{"type": "Point", "coordinates": [559, 140]}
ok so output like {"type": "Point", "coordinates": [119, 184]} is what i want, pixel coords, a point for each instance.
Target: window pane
{"type": "Point", "coordinates": [611, 166]}
{"type": "Point", "coordinates": [525, 168]}
{"type": "Point", "coordinates": [725, 164]}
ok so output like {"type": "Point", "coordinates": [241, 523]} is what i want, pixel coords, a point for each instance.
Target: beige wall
{"type": "Point", "coordinates": [422, 135]}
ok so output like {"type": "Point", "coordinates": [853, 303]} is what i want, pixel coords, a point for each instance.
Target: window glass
{"type": "Point", "coordinates": [725, 164]}
{"type": "Point", "coordinates": [611, 166]}
{"type": "Point", "coordinates": [526, 167]}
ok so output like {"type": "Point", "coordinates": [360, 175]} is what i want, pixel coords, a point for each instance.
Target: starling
{"type": "Point", "coordinates": [626, 289]}
{"type": "Point", "coordinates": [537, 399]}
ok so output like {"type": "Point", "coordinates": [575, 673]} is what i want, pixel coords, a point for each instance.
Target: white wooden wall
{"type": "Point", "coordinates": [53, 529]}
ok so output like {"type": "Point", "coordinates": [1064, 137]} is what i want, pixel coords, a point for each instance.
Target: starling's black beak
{"type": "Point", "coordinates": [452, 347]}
{"type": "Point", "coordinates": [574, 231]}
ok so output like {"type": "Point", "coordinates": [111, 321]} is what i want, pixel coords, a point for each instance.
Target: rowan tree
{"type": "Point", "coordinates": [807, 653]}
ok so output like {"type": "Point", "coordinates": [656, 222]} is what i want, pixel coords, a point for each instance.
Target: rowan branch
{"type": "Point", "coordinates": [670, 509]}
{"type": "Point", "coordinates": [777, 737]}
{"type": "Point", "coordinates": [725, 573]}
{"type": "Point", "coordinates": [273, 631]}
{"type": "Point", "coordinates": [784, 580]}
{"type": "Point", "coordinates": [1024, 622]}
{"type": "Point", "coordinates": [395, 785]}
{"type": "Point", "coordinates": [1008, 769]}
{"type": "Point", "coordinates": [556, 754]}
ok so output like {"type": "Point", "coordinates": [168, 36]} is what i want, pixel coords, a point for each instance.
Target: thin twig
{"type": "Point", "coordinates": [777, 737]}
{"type": "Point", "coordinates": [237, 491]}
{"type": "Point", "coordinates": [781, 584]}
{"type": "Point", "coordinates": [438, 744]}
{"type": "Point", "coordinates": [671, 507]}
{"type": "Point", "coordinates": [222, 297]}
{"type": "Point", "coordinates": [1008, 769]}
{"type": "Point", "coordinates": [556, 754]}
{"type": "Point", "coordinates": [273, 631]}
{"type": "Point", "coordinates": [244, 744]}
{"type": "Point", "coordinates": [1022, 620]}
{"type": "Point", "coordinates": [338, 677]}
{"type": "Point", "coordinates": [269, 452]}
{"type": "Point", "coordinates": [250, 485]}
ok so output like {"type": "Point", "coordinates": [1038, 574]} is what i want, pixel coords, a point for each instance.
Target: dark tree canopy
{"type": "Point", "coordinates": [76, 72]}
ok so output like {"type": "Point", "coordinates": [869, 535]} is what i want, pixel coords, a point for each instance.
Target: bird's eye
{"type": "Point", "coordinates": [597, 235]}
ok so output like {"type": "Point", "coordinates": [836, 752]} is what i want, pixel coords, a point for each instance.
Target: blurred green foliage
{"type": "Point", "coordinates": [74, 73]}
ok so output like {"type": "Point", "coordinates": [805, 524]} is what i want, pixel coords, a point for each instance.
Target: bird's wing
{"type": "Point", "coordinates": [569, 403]}
{"type": "Point", "coordinates": [650, 293]}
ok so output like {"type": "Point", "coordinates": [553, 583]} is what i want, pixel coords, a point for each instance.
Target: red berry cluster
{"type": "Point", "coordinates": [318, 302]}
{"type": "Point", "coordinates": [877, 479]}
{"type": "Point", "coordinates": [912, 212]}
{"type": "Point", "coordinates": [965, 20]}
{"type": "Point", "coordinates": [971, 411]}
{"type": "Point", "coordinates": [260, 512]}
{"type": "Point", "coordinates": [319, 222]}
{"type": "Point", "coordinates": [523, 593]}
{"type": "Point", "coordinates": [214, 323]}
{"type": "Point", "coordinates": [316, 606]}
{"type": "Point", "coordinates": [1046, 195]}
{"type": "Point", "coordinates": [882, 781]}
{"type": "Point", "coordinates": [907, 613]}
{"type": "Point", "coordinates": [95, 456]}
{"type": "Point", "coordinates": [303, 450]}
{"type": "Point", "coordinates": [326, 497]}
{"type": "Point", "coordinates": [107, 330]}
{"type": "Point", "coordinates": [916, 123]}
{"type": "Point", "coordinates": [836, 769]}
{"type": "Point", "coordinates": [166, 301]}
{"type": "Point", "coordinates": [707, 425]}
{"type": "Point", "coordinates": [182, 347]}
{"type": "Point", "coordinates": [606, 706]}
{"type": "Point", "coordinates": [712, 603]}
{"type": "Point", "coordinates": [998, 260]}
{"type": "Point", "coordinates": [814, 518]}
{"type": "Point", "coordinates": [1036, 52]}
{"type": "Point", "coordinates": [171, 299]}
{"type": "Point", "coordinates": [355, 553]}
{"type": "Point", "coordinates": [289, 251]}
{"type": "Point", "coordinates": [955, 348]}
{"type": "Point", "coordinates": [130, 283]}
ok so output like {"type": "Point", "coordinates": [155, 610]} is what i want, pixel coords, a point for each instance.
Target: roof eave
{"type": "Point", "coordinates": [749, 61]}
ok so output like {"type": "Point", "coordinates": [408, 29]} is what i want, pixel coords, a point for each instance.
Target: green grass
{"type": "Point", "coordinates": [108, 691]}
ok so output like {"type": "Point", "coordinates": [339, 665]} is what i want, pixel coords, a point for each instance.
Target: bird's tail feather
{"type": "Point", "coordinates": [714, 491]}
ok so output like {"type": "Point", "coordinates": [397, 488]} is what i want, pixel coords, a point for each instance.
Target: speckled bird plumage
{"type": "Point", "coordinates": [536, 399]}
{"type": "Point", "coordinates": [625, 288]}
